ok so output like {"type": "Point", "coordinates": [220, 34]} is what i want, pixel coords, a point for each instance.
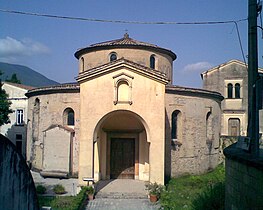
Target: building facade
{"type": "Point", "coordinates": [124, 118]}
{"type": "Point", "coordinates": [16, 130]}
{"type": "Point", "coordinates": [231, 80]}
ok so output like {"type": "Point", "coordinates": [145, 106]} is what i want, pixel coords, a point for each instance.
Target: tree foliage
{"type": "Point", "coordinates": [13, 79]}
{"type": "Point", "coordinates": [4, 105]}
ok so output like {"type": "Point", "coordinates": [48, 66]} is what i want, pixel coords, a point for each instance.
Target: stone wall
{"type": "Point", "coordinates": [194, 151]}
{"type": "Point", "coordinates": [17, 189]}
{"type": "Point", "coordinates": [45, 108]}
{"type": "Point", "coordinates": [244, 180]}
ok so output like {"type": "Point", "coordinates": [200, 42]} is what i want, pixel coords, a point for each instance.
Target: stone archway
{"type": "Point", "coordinates": [121, 149]}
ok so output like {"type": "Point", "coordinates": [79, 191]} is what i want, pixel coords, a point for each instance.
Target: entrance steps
{"type": "Point", "coordinates": [121, 189]}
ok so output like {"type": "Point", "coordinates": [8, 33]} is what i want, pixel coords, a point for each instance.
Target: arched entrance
{"type": "Point", "coordinates": [121, 150]}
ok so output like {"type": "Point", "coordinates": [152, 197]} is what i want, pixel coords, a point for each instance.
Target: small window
{"type": "Point", "coordinates": [82, 64]}
{"type": "Point", "coordinates": [152, 62]}
{"type": "Point", "coordinates": [237, 90]}
{"type": "Point", "coordinates": [113, 56]}
{"type": "Point", "coordinates": [18, 136]}
{"type": "Point", "coordinates": [176, 124]}
{"type": "Point", "coordinates": [68, 116]}
{"type": "Point", "coordinates": [19, 117]}
{"type": "Point", "coordinates": [229, 90]}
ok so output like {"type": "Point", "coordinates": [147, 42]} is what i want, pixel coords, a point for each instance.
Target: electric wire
{"type": "Point", "coordinates": [122, 21]}
{"type": "Point", "coordinates": [137, 22]}
{"type": "Point", "coordinates": [240, 44]}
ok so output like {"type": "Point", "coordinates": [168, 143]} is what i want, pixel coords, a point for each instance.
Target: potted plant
{"type": "Point", "coordinates": [154, 191]}
{"type": "Point", "coordinates": [90, 192]}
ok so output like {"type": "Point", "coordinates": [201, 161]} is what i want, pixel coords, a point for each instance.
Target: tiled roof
{"type": "Point", "coordinates": [19, 85]}
{"type": "Point", "coordinates": [61, 88]}
{"type": "Point", "coordinates": [126, 40]}
{"type": "Point", "coordinates": [193, 91]}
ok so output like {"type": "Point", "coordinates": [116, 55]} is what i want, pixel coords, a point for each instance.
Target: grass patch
{"type": "Point", "coordinates": [64, 202]}
{"type": "Point", "coordinates": [181, 192]}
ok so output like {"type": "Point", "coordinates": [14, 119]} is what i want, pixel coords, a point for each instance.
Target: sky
{"type": "Point", "coordinates": [47, 45]}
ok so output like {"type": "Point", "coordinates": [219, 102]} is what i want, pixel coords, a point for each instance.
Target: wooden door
{"type": "Point", "coordinates": [122, 158]}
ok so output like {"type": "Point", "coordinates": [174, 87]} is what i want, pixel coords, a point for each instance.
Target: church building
{"type": "Point", "coordinates": [123, 118]}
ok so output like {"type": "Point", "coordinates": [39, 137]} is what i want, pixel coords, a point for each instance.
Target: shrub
{"type": "Point", "coordinates": [41, 189]}
{"type": "Point", "coordinates": [213, 197]}
{"type": "Point", "coordinates": [59, 189]}
{"type": "Point", "coordinates": [89, 190]}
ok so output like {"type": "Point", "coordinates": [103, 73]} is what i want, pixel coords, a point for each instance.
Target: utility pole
{"type": "Point", "coordinates": [253, 121]}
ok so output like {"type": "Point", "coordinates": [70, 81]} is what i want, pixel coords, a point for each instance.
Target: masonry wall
{"type": "Point", "coordinates": [192, 152]}
{"type": "Point", "coordinates": [244, 180]}
{"type": "Point", "coordinates": [51, 108]}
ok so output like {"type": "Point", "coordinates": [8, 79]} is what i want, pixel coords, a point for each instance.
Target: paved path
{"type": "Point", "coordinates": [121, 194]}
{"type": "Point", "coordinates": [69, 184]}
{"type": "Point", "coordinates": [121, 204]}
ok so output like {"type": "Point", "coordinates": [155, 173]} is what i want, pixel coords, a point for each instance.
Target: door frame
{"type": "Point", "coordinates": [135, 136]}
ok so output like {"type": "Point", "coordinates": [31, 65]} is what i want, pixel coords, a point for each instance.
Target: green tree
{"type": "Point", "coordinates": [4, 105]}
{"type": "Point", "coordinates": [13, 79]}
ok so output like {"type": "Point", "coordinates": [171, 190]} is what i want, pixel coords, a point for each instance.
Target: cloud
{"type": "Point", "coordinates": [197, 67]}
{"type": "Point", "coordinates": [12, 49]}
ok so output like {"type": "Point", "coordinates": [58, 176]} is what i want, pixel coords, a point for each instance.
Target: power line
{"type": "Point", "coordinates": [122, 21]}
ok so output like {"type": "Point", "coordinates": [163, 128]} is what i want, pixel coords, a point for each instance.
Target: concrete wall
{"type": "Point", "coordinates": [244, 180]}
{"type": "Point", "coordinates": [17, 189]}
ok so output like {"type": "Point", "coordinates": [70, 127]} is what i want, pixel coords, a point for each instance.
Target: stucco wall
{"type": "Point", "coordinates": [18, 100]}
{"type": "Point", "coordinates": [217, 79]}
{"type": "Point", "coordinates": [164, 63]}
{"type": "Point", "coordinates": [147, 102]}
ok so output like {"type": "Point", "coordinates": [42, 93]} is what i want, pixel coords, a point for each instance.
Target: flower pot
{"type": "Point", "coordinates": [91, 197]}
{"type": "Point", "coordinates": [153, 198]}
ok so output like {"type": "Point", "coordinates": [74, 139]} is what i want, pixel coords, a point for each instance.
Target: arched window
{"type": "Point", "coordinates": [234, 127]}
{"type": "Point", "coordinates": [237, 90]}
{"type": "Point", "coordinates": [209, 127]}
{"type": "Point", "coordinates": [113, 56]}
{"type": "Point", "coordinates": [123, 91]}
{"type": "Point", "coordinates": [68, 117]}
{"type": "Point", "coordinates": [152, 62]}
{"type": "Point", "coordinates": [82, 64]}
{"type": "Point", "coordinates": [176, 125]}
{"type": "Point", "coordinates": [229, 90]}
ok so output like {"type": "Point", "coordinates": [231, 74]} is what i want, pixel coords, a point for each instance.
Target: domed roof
{"type": "Point", "coordinates": [125, 42]}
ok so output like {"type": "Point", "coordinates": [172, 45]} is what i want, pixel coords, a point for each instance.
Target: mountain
{"type": "Point", "coordinates": [26, 75]}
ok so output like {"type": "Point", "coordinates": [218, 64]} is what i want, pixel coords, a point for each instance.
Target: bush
{"type": "Point", "coordinates": [211, 198]}
{"type": "Point", "coordinates": [59, 189]}
{"type": "Point", "coordinates": [89, 190]}
{"type": "Point", "coordinates": [41, 189]}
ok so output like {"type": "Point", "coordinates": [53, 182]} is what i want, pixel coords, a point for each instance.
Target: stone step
{"type": "Point", "coordinates": [119, 195]}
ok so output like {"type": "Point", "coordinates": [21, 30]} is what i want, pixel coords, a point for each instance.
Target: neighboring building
{"type": "Point", "coordinates": [16, 130]}
{"type": "Point", "coordinates": [231, 80]}
{"type": "Point", "coordinates": [124, 118]}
